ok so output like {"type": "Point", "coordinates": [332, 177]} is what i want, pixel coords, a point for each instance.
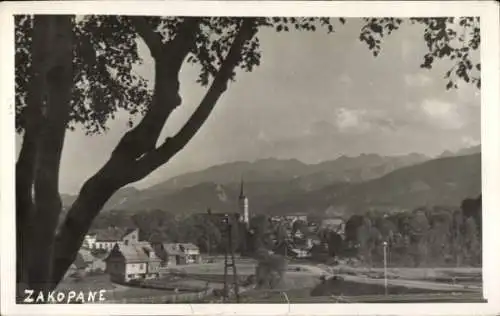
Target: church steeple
{"type": "Point", "coordinates": [242, 191]}
{"type": "Point", "coordinates": [243, 204]}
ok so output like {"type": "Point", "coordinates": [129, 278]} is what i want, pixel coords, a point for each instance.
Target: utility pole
{"type": "Point", "coordinates": [385, 267]}
{"type": "Point", "coordinates": [229, 252]}
{"type": "Point", "coordinates": [209, 212]}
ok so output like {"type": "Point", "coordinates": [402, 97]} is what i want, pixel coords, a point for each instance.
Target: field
{"type": "Point", "coordinates": [303, 284]}
{"type": "Point", "coordinates": [357, 284]}
{"type": "Point", "coordinates": [113, 291]}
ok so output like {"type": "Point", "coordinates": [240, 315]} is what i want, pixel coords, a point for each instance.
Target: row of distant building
{"type": "Point", "coordinates": [119, 253]}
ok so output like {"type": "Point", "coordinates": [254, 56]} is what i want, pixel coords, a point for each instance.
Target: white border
{"type": "Point", "coordinates": [490, 132]}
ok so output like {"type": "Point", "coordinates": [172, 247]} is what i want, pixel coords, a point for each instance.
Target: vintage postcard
{"type": "Point", "coordinates": [241, 158]}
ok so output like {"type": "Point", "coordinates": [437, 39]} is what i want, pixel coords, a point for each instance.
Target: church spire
{"type": "Point", "coordinates": [242, 191]}
{"type": "Point", "coordinates": [243, 205]}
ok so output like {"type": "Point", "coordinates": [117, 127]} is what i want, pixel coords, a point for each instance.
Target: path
{"type": "Point", "coordinates": [316, 270]}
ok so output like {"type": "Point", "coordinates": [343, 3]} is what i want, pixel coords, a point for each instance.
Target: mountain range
{"type": "Point", "coordinates": [346, 185]}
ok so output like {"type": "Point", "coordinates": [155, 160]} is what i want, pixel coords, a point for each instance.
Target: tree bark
{"type": "Point", "coordinates": [26, 163]}
{"type": "Point", "coordinates": [57, 83]}
{"type": "Point", "coordinates": [136, 156]}
{"type": "Point", "coordinates": [93, 195]}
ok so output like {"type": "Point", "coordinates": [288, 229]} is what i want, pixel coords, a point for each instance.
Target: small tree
{"type": "Point", "coordinates": [270, 269]}
{"type": "Point", "coordinates": [472, 247]}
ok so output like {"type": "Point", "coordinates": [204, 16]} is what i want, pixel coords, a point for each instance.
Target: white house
{"type": "Point", "coordinates": [107, 238]}
{"type": "Point", "coordinates": [191, 251]}
{"type": "Point", "coordinates": [132, 261]}
{"type": "Point", "coordinates": [89, 241]}
{"type": "Point", "coordinates": [173, 254]}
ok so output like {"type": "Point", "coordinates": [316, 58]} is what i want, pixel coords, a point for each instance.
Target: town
{"type": "Point", "coordinates": [314, 251]}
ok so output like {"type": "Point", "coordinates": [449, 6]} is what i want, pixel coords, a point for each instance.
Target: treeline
{"type": "Point", "coordinates": [434, 236]}
{"type": "Point", "coordinates": [426, 236]}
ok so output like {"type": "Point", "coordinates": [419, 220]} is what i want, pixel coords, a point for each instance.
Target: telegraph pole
{"type": "Point", "coordinates": [209, 212]}
{"type": "Point", "coordinates": [385, 267]}
{"type": "Point", "coordinates": [229, 252]}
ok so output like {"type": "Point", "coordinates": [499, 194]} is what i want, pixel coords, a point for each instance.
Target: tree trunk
{"type": "Point", "coordinates": [58, 81]}
{"type": "Point", "coordinates": [93, 195]}
{"type": "Point", "coordinates": [37, 168]}
{"type": "Point", "coordinates": [26, 163]}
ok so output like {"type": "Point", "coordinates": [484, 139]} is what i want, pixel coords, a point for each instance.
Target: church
{"type": "Point", "coordinates": [242, 214]}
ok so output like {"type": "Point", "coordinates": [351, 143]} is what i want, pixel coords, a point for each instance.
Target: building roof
{"type": "Point", "coordinates": [133, 253]}
{"type": "Point", "coordinates": [172, 249]}
{"type": "Point", "coordinates": [189, 246]}
{"type": "Point", "coordinates": [178, 249]}
{"type": "Point", "coordinates": [332, 221]}
{"type": "Point", "coordinates": [296, 214]}
{"type": "Point", "coordinates": [148, 249]}
{"type": "Point", "coordinates": [111, 233]}
{"type": "Point", "coordinates": [146, 245]}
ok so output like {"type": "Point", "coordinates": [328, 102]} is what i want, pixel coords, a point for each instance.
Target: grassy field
{"type": "Point", "coordinates": [243, 268]}
{"type": "Point", "coordinates": [89, 283]}
{"type": "Point", "coordinates": [302, 283]}
{"type": "Point", "coordinates": [343, 291]}
{"type": "Point", "coordinates": [461, 275]}
{"type": "Point", "coordinates": [113, 291]}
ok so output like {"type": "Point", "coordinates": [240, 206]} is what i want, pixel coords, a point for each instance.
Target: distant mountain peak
{"type": "Point", "coordinates": [461, 152]}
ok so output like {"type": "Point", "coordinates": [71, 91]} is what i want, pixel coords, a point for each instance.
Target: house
{"type": "Point", "coordinates": [336, 224]}
{"type": "Point", "coordinates": [173, 254]}
{"type": "Point", "coordinates": [169, 254]}
{"type": "Point", "coordinates": [298, 234]}
{"type": "Point", "coordinates": [89, 241]}
{"type": "Point", "coordinates": [132, 261]}
{"type": "Point", "coordinates": [296, 217]}
{"type": "Point", "coordinates": [302, 252]}
{"type": "Point", "coordinates": [154, 262]}
{"type": "Point", "coordinates": [107, 238]}
{"type": "Point", "coordinates": [191, 251]}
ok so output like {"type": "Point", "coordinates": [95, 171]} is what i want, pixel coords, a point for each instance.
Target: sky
{"type": "Point", "coordinates": [315, 97]}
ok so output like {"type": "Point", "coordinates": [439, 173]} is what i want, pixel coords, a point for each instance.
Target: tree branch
{"type": "Point", "coordinates": [119, 170]}
{"type": "Point", "coordinates": [171, 146]}
{"type": "Point", "coordinates": [152, 39]}
{"type": "Point", "coordinates": [166, 98]}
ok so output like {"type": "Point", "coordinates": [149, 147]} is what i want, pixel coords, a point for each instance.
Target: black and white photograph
{"type": "Point", "coordinates": [232, 158]}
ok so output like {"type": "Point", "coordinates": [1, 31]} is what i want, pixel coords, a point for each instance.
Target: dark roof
{"type": "Point", "coordinates": [296, 214]}
{"type": "Point", "coordinates": [112, 233]}
{"type": "Point", "coordinates": [131, 253]}
{"type": "Point", "coordinates": [172, 249]}
{"type": "Point", "coordinates": [189, 246]}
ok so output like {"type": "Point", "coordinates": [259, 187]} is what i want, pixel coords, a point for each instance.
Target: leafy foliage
{"type": "Point", "coordinates": [106, 54]}
{"type": "Point", "coordinates": [450, 38]}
